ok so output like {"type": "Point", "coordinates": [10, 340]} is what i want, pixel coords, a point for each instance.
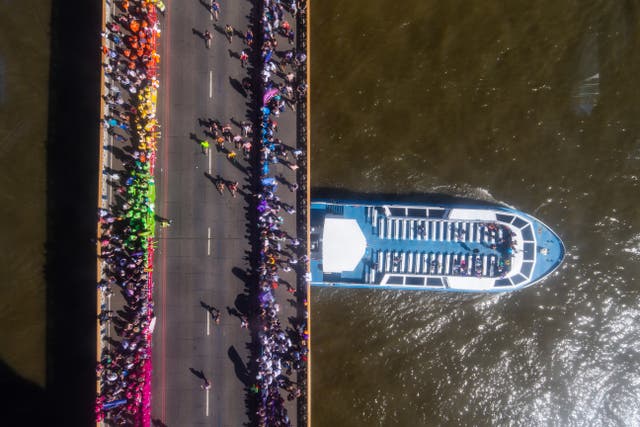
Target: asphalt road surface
{"type": "Point", "coordinates": [203, 256]}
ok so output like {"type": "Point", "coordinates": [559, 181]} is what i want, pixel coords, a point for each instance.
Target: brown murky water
{"type": "Point", "coordinates": [534, 104]}
{"type": "Point", "coordinates": [24, 70]}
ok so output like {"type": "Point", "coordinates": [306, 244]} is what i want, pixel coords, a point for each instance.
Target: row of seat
{"type": "Point", "coordinates": [436, 263]}
{"type": "Point", "coordinates": [437, 230]}
{"type": "Point", "coordinates": [372, 215]}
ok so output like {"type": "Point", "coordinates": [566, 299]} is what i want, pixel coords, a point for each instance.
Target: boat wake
{"type": "Point", "coordinates": [469, 192]}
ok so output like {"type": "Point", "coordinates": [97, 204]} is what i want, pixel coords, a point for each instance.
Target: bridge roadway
{"type": "Point", "coordinates": [202, 256]}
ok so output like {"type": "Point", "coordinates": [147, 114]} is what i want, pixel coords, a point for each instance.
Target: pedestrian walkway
{"type": "Point", "coordinates": [126, 214]}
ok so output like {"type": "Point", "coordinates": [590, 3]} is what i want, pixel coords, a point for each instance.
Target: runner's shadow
{"type": "Point", "coordinates": [239, 366]}
{"type": "Point", "coordinates": [205, 4]}
{"type": "Point", "coordinates": [198, 374]}
{"type": "Point", "coordinates": [214, 179]}
{"type": "Point", "coordinates": [160, 218]}
{"type": "Point", "coordinates": [157, 423]}
{"type": "Point", "coordinates": [282, 180]}
{"type": "Point", "coordinates": [129, 149]}
{"type": "Point", "coordinates": [234, 312]}
{"type": "Point", "coordinates": [247, 85]}
{"type": "Point", "coordinates": [235, 122]}
{"type": "Point", "coordinates": [198, 33]}
{"type": "Point", "coordinates": [238, 166]}
{"type": "Point", "coordinates": [195, 138]}
{"type": "Point", "coordinates": [118, 153]}
{"type": "Point", "coordinates": [242, 275]}
{"type": "Point", "coordinates": [109, 171]}
{"type": "Point", "coordinates": [287, 147]}
{"type": "Point", "coordinates": [284, 282]}
{"type": "Point", "coordinates": [211, 309]}
{"type": "Point", "coordinates": [235, 83]}
{"type": "Point", "coordinates": [114, 343]}
{"type": "Point", "coordinates": [219, 29]}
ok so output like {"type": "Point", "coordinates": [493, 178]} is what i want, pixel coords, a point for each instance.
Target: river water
{"type": "Point", "coordinates": [24, 86]}
{"type": "Point", "coordinates": [532, 104]}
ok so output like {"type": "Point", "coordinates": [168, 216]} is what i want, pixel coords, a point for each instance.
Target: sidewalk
{"type": "Point", "coordinates": [127, 221]}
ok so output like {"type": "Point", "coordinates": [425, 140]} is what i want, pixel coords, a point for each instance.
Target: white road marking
{"type": "Point", "coordinates": [210, 84]}
{"type": "Point", "coordinates": [110, 168]}
{"type": "Point", "coordinates": [109, 308]}
{"type": "Point", "coordinates": [208, 322]}
{"type": "Point", "coordinates": [209, 241]}
{"type": "Point", "coordinates": [206, 411]}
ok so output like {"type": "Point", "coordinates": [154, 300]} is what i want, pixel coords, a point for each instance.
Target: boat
{"type": "Point", "coordinates": [439, 247]}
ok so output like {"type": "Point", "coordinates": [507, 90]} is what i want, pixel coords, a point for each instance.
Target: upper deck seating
{"type": "Point", "coordinates": [433, 263]}
{"type": "Point", "coordinates": [437, 230]}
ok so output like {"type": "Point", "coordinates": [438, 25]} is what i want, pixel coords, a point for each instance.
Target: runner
{"type": "Point", "coordinates": [204, 144]}
{"type": "Point", "coordinates": [220, 185]}
{"type": "Point", "coordinates": [214, 7]}
{"type": "Point", "coordinates": [220, 143]}
{"type": "Point", "coordinates": [248, 37]}
{"type": "Point", "coordinates": [243, 58]}
{"type": "Point", "coordinates": [237, 141]}
{"type": "Point", "coordinates": [228, 31]}
{"type": "Point", "coordinates": [233, 188]}
{"type": "Point", "coordinates": [231, 156]}
{"type": "Point", "coordinates": [227, 132]}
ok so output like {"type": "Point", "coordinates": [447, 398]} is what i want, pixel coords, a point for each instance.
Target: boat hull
{"type": "Point", "coordinates": [436, 247]}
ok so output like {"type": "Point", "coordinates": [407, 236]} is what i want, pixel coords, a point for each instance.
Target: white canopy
{"type": "Point", "coordinates": [343, 245]}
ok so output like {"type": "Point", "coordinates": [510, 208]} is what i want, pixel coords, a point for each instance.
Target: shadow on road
{"type": "Point", "coordinates": [157, 423]}
{"type": "Point", "coordinates": [197, 373]}
{"type": "Point", "coordinates": [237, 85]}
{"type": "Point", "coordinates": [243, 304]}
{"type": "Point", "coordinates": [242, 275]}
{"type": "Point", "coordinates": [239, 366]}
